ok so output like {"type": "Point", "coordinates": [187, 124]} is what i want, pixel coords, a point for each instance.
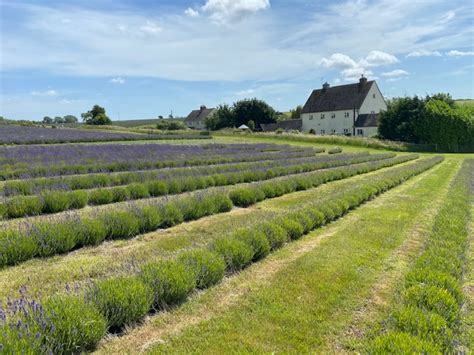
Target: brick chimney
{"type": "Point", "coordinates": [325, 86]}
{"type": "Point", "coordinates": [203, 107]}
{"type": "Point", "coordinates": [362, 81]}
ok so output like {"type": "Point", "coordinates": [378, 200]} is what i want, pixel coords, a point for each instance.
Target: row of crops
{"type": "Point", "coordinates": [76, 322]}
{"type": "Point", "coordinates": [46, 237]}
{"type": "Point", "coordinates": [11, 134]}
{"type": "Point", "coordinates": [427, 318]}
{"type": "Point", "coordinates": [25, 162]}
{"type": "Point", "coordinates": [134, 186]}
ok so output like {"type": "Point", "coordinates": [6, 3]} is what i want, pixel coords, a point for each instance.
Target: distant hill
{"type": "Point", "coordinates": [469, 102]}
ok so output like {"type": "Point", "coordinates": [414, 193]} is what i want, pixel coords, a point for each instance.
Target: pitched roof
{"type": "Point", "coordinates": [199, 115]}
{"type": "Point", "coordinates": [337, 98]}
{"type": "Point", "coordinates": [367, 120]}
{"type": "Point", "coordinates": [295, 124]}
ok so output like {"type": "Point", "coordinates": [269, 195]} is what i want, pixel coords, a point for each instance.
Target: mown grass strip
{"type": "Point", "coordinates": [58, 201]}
{"type": "Point", "coordinates": [124, 300]}
{"type": "Point", "coordinates": [428, 315]}
{"type": "Point", "coordinates": [47, 238]}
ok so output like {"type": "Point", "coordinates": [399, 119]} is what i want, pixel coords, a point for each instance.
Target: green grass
{"type": "Point", "coordinates": [311, 296]}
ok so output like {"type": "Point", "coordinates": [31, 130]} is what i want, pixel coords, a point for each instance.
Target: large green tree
{"type": "Point", "coordinates": [70, 119]}
{"type": "Point", "coordinates": [96, 116]}
{"type": "Point", "coordinates": [223, 117]}
{"type": "Point", "coordinates": [253, 109]}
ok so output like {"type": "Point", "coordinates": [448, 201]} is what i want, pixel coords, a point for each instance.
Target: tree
{"type": "Point", "coordinates": [58, 119]}
{"type": "Point", "coordinates": [253, 109]}
{"type": "Point", "coordinates": [170, 125]}
{"type": "Point", "coordinates": [251, 125]}
{"type": "Point", "coordinates": [70, 119]}
{"type": "Point", "coordinates": [296, 113]}
{"type": "Point", "coordinates": [47, 120]}
{"type": "Point", "coordinates": [96, 116]}
{"type": "Point", "coordinates": [221, 118]}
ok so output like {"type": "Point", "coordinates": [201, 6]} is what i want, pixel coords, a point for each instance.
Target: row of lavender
{"type": "Point", "coordinates": [33, 161]}
{"type": "Point", "coordinates": [35, 186]}
{"type": "Point", "coordinates": [42, 135]}
{"type": "Point", "coordinates": [72, 323]}
{"type": "Point", "coordinates": [46, 237]}
{"type": "Point", "coordinates": [58, 201]}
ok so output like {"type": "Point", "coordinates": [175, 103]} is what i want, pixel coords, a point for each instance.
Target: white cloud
{"type": "Point", "coordinates": [191, 12]}
{"type": "Point", "coordinates": [223, 11]}
{"type": "Point", "coordinates": [423, 53]}
{"type": "Point", "coordinates": [44, 93]}
{"type": "Point", "coordinates": [456, 53]}
{"type": "Point", "coordinates": [118, 80]}
{"type": "Point", "coordinates": [378, 58]}
{"type": "Point", "coordinates": [339, 61]}
{"type": "Point", "coordinates": [246, 92]}
{"type": "Point", "coordinates": [353, 74]}
{"type": "Point", "coordinates": [395, 73]}
{"type": "Point", "coordinates": [151, 28]}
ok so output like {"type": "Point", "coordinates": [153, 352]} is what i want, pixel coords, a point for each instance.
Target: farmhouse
{"type": "Point", "coordinates": [196, 119]}
{"type": "Point", "coordinates": [346, 109]}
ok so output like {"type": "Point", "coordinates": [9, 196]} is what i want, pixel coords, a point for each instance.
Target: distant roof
{"type": "Point", "coordinates": [199, 115]}
{"type": "Point", "coordinates": [367, 120]}
{"type": "Point", "coordinates": [244, 127]}
{"type": "Point", "coordinates": [285, 125]}
{"type": "Point", "coordinates": [337, 98]}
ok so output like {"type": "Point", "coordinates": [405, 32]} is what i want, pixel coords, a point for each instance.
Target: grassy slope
{"type": "Point", "coordinates": [297, 298]}
{"type": "Point", "coordinates": [51, 274]}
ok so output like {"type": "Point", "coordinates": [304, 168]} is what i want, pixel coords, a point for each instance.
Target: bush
{"type": "Point", "coordinates": [275, 234]}
{"type": "Point", "coordinates": [15, 247]}
{"type": "Point", "coordinates": [122, 300]}
{"type": "Point", "coordinates": [401, 343]}
{"type": "Point", "coordinates": [426, 325]}
{"type": "Point", "coordinates": [138, 191]}
{"type": "Point", "coordinates": [55, 201]}
{"type": "Point", "coordinates": [54, 238]}
{"type": "Point", "coordinates": [293, 229]}
{"type": "Point", "coordinates": [257, 241]}
{"type": "Point", "coordinates": [434, 299]}
{"type": "Point", "coordinates": [207, 267]}
{"type": "Point", "coordinates": [92, 232]}
{"type": "Point", "coordinates": [77, 326]}
{"type": "Point", "coordinates": [120, 224]}
{"type": "Point", "coordinates": [236, 253]}
{"type": "Point", "coordinates": [120, 194]}
{"type": "Point", "coordinates": [243, 196]}
{"type": "Point", "coordinates": [157, 188]}
{"type": "Point", "coordinates": [21, 206]}
{"type": "Point", "coordinates": [150, 219]}
{"type": "Point", "coordinates": [101, 197]}
{"type": "Point", "coordinates": [335, 150]}
{"type": "Point", "coordinates": [78, 199]}
{"type": "Point", "coordinates": [171, 214]}
{"type": "Point", "coordinates": [170, 281]}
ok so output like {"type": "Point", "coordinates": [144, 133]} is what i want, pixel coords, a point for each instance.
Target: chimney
{"type": "Point", "coordinates": [362, 81]}
{"type": "Point", "coordinates": [203, 107]}
{"type": "Point", "coordinates": [325, 86]}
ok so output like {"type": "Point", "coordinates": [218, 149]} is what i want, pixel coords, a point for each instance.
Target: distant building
{"type": "Point", "coordinates": [286, 125]}
{"type": "Point", "coordinates": [351, 109]}
{"type": "Point", "coordinates": [196, 119]}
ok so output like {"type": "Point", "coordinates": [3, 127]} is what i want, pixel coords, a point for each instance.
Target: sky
{"type": "Point", "coordinates": [141, 58]}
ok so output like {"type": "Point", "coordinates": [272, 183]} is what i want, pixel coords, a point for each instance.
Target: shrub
{"type": "Point", "coordinates": [121, 300]}
{"type": "Point", "coordinates": [16, 246]}
{"type": "Point", "coordinates": [21, 206]}
{"type": "Point", "coordinates": [426, 325]}
{"type": "Point", "coordinates": [78, 199]}
{"type": "Point", "coordinates": [171, 214]}
{"type": "Point", "coordinates": [77, 326]}
{"type": "Point", "coordinates": [138, 191]}
{"type": "Point", "coordinates": [157, 188]}
{"type": "Point", "coordinates": [257, 241]}
{"type": "Point", "coordinates": [236, 253]}
{"type": "Point", "coordinates": [434, 299]}
{"type": "Point", "coordinates": [100, 197]}
{"type": "Point", "coordinates": [170, 281]}
{"type": "Point", "coordinates": [149, 218]}
{"type": "Point", "coordinates": [207, 267]}
{"type": "Point", "coordinates": [293, 228]}
{"type": "Point", "coordinates": [120, 224]}
{"type": "Point", "coordinates": [54, 238]}
{"type": "Point", "coordinates": [120, 194]}
{"type": "Point", "coordinates": [275, 234]}
{"type": "Point", "coordinates": [91, 232]}
{"type": "Point", "coordinates": [243, 196]}
{"type": "Point", "coordinates": [401, 343]}
{"type": "Point", "coordinates": [55, 201]}
{"type": "Point", "coordinates": [335, 150]}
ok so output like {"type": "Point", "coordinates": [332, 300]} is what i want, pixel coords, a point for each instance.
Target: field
{"type": "Point", "coordinates": [234, 244]}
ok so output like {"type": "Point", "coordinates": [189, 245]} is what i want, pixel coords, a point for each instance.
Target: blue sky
{"type": "Point", "coordinates": [141, 59]}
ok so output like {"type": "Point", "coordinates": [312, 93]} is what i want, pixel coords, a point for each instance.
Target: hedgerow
{"type": "Point", "coordinates": [125, 300]}
{"type": "Point", "coordinates": [429, 312]}
{"type": "Point", "coordinates": [58, 236]}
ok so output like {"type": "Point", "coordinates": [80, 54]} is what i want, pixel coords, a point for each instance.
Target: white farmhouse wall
{"type": "Point", "coordinates": [366, 131]}
{"type": "Point", "coordinates": [328, 125]}
{"type": "Point", "coordinates": [374, 101]}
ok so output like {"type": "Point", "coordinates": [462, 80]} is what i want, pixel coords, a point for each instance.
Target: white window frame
{"type": "Point", "coordinates": [333, 131]}
{"type": "Point", "coordinates": [333, 115]}
{"type": "Point", "coordinates": [360, 132]}
{"type": "Point", "coordinates": [323, 131]}
{"type": "Point", "coordinates": [322, 116]}
{"type": "Point", "coordinates": [346, 130]}
{"type": "Point", "coordinates": [310, 117]}
{"type": "Point", "coordinates": [346, 114]}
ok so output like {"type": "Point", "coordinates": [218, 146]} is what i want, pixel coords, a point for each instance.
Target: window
{"type": "Point", "coordinates": [333, 115]}
{"type": "Point", "coordinates": [346, 131]}
{"type": "Point", "coordinates": [346, 114]}
{"type": "Point", "coordinates": [333, 131]}
{"type": "Point", "coordinates": [360, 132]}
{"type": "Point", "coordinates": [322, 116]}
{"type": "Point", "coordinates": [373, 95]}
{"type": "Point", "coordinates": [323, 131]}
{"type": "Point", "coordinates": [372, 112]}
{"type": "Point", "coordinates": [310, 117]}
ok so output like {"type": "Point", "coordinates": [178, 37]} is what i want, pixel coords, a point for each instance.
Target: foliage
{"type": "Point", "coordinates": [170, 125]}
{"type": "Point", "coordinates": [296, 112]}
{"type": "Point", "coordinates": [207, 267]}
{"type": "Point", "coordinates": [236, 253]}
{"type": "Point", "coordinates": [96, 116]}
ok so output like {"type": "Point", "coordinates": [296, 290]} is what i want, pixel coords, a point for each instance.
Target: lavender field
{"type": "Point", "coordinates": [10, 134]}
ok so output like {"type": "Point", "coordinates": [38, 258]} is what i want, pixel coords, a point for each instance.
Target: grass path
{"type": "Point", "coordinates": [288, 302]}
{"type": "Point", "coordinates": [45, 276]}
